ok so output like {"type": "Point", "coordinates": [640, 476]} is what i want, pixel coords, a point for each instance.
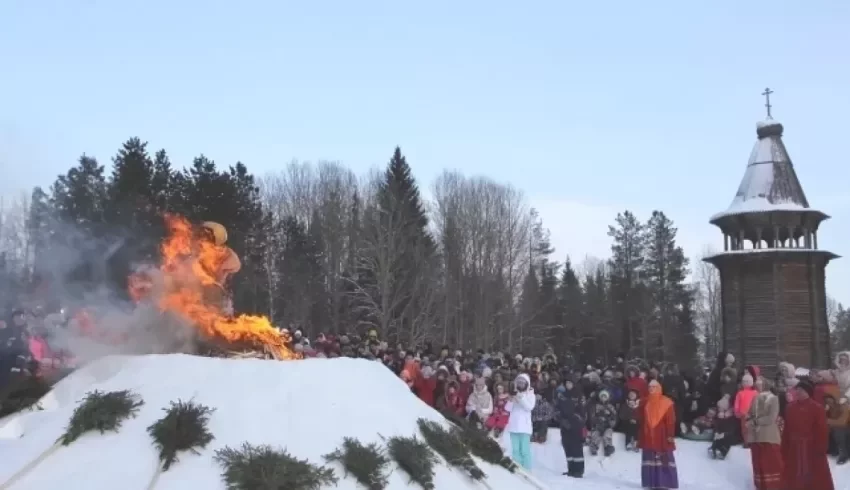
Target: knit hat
{"type": "Point", "coordinates": [806, 385]}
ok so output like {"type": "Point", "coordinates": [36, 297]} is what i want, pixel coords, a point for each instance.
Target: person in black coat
{"type": "Point", "coordinates": [572, 418]}
{"type": "Point", "coordinates": [675, 389]}
{"type": "Point", "coordinates": [713, 391]}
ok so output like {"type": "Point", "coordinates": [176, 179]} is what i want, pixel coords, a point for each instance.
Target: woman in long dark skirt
{"type": "Point", "coordinates": [572, 419]}
{"type": "Point", "coordinates": [656, 441]}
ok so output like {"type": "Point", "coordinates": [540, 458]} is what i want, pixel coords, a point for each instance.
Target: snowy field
{"type": "Point", "coordinates": [305, 406]}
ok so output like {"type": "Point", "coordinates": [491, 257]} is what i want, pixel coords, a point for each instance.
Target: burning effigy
{"type": "Point", "coordinates": [189, 286]}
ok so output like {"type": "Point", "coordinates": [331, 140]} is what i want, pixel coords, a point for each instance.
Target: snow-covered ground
{"type": "Point", "coordinates": [305, 406]}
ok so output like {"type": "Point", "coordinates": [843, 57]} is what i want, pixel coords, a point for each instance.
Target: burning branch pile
{"type": "Point", "coordinates": [186, 285]}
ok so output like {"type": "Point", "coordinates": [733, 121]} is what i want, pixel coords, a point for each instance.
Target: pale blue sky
{"type": "Point", "coordinates": [589, 107]}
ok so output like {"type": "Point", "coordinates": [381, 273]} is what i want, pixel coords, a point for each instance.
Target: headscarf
{"type": "Point", "coordinates": [656, 405]}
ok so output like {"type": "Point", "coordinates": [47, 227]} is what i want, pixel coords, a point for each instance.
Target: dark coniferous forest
{"type": "Point", "coordinates": [329, 251]}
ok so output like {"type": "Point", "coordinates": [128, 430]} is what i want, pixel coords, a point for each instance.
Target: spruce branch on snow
{"type": "Point", "coordinates": [482, 445]}
{"type": "Point", "coordinates": [103, 412]}
{"type": "Point", "coordinates": [448, 445]}
{"type": "Point", "coordinates": [368, 463]}
{"type": "Point", "coordinates": [415, 458]}
{"type": "Point", "coordinates": [183, 428]}
{"type": "Point", "coordinates": [266, 468]}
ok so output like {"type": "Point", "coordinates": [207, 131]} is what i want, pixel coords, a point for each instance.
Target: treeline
{"type": "Point", "coordinates": [325, 250]}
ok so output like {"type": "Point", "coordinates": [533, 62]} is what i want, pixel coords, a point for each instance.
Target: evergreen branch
{"type": "Point", "coordinates": [415, 458]}
{"type": "Point", "coordinates": [369, 464]}
{"type": "Point", "coordinates": [482, 445]}
{"type": "Point", "coordinates": [101, 412]}
{"type": "Point", "coordinates": [448, 445]}
{"type": "Point", "coordinates": [183, 428]}
{"type": "Point", "coordinates": [264, 467]}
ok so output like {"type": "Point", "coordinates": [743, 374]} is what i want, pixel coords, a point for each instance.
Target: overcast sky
{"type": "Point", "coordinates": [589, 108]}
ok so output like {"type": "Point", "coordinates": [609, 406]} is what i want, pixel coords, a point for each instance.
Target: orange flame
{"type": "Point", "coordinates": [188, 269]}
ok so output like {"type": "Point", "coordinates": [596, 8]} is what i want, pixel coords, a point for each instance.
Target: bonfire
{"type": "Point", "coordinates": [183, 286]}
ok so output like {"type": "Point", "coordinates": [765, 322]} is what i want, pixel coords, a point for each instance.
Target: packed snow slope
{"type": "Point", "coordinates": [304, 406]}
{"type": "Point", "coordinates": [622, 469]}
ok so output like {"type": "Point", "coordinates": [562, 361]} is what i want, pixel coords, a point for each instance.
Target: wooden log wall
{"type": "Point", "coordinates": [774, 309]}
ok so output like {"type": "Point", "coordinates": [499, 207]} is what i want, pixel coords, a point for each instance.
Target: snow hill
{"type": "Point", "coordinates": [305, 406]}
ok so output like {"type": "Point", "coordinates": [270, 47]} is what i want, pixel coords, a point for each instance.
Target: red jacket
{"type": "Point", "coordinates": [424, 389]}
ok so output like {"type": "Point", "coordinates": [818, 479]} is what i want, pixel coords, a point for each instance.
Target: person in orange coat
{"type": "Point", "coordinates": [805, 442]}
{"type": "Point", "coordinates": [656, 440]}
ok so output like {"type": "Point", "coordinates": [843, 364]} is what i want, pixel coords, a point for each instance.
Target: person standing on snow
{"type": "Point", "coordinates": [762, 434]}
{"type": "Point", "coordinates": [519, 426]}
{"type": "Point", "coordinates": [656, 440]}
{"type": "Point", "coordinates": [805, 442]}
{"type": "Point", "coordinates": [572, 418]}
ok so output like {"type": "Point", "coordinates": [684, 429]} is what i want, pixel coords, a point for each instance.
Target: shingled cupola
{"type": "Point", "coordinates": [772, 273]}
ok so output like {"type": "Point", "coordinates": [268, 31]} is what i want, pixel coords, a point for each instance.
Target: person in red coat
{"type": "Point", "coordinates": [805, 442]}
{"type": "Point", "coordinates": [425, 385]}
{"type": "Point", "coordinates": [635, 383]}
{"type": "Point", "coordinates": [656, 440]}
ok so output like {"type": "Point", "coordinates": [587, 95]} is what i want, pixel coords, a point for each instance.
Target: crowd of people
{"type": "Point", "coordinates": [789, 424]}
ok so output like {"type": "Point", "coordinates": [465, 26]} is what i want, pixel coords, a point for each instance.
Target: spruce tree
{"type": "Point", "coordinates": [529, 312]}
{"type": "Point", "coordinates": [396, 261]}
{"type": "Point", "coordinates": [626, 268]}
{"type": "Point", "coordinates": [665, 271]}
{"type": "Point", "coordinates": [130, 188]}
{"type": "Point", "coordinates": [570, 296]}
{"type": "Point", "coordinates": [80, 196]}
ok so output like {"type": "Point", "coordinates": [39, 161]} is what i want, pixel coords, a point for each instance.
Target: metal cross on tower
{"type": "Point", "coordinates": [766, 94]}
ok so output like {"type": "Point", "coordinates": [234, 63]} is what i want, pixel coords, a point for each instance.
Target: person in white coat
{"type": "Point", "coordinates": [519, 427]}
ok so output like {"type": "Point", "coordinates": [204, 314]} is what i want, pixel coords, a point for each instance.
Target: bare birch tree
{"type": "Point", "coordinates": [708, 307]}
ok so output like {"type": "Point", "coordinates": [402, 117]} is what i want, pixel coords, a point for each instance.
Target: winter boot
{"type": "Point", "coordinates": [609, 450]}
{"type": "Point", "coordinates": [841, 459]}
